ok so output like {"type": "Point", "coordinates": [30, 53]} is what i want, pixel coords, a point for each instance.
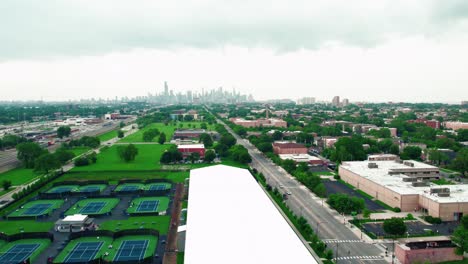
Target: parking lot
{"type": "Point", "coordinates": [338, 187]}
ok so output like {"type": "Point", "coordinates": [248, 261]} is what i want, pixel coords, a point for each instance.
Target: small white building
{"type": "Point", "coordinates": [74, 223]}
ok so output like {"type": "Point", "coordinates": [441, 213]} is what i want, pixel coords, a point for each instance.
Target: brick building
{"type": "Point", "coordinates": [186, 150]}
{"type": "Point", "coordinates": [289, 148]}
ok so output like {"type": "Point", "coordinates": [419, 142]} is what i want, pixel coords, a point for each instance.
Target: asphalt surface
{"type": "Point", "coordinates": [303, 202]}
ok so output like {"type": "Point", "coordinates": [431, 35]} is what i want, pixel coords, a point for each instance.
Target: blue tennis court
{"type": "Point", "coordinates": [148, 206]}
{"type": "Point", "coordinates": [131, 250]}
{"type": "Point", "coordinates": [129, 188]}
{"type": "Point", "coordinates": [18, 253]}
{"type": "Point", "coordinates": [83, 252]}
{"type": "Point", "coordinates": [37, 209]}
{"type": "Point", "coordinates": [62, 189]}
{"type": "Point", "coordinates": [90, 189]}
{"type": "Point", "coordinates": [157, 187]}
{"type": "Point", "coordinates": [92, 208]}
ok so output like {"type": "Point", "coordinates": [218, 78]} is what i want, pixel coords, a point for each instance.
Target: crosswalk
{"type": "Point", "coordinates": [359, 257]}
{"type": "Point", "coordinates": [333, 241]}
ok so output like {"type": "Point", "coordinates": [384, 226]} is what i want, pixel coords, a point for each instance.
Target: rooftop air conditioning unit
{"type": "Point", "coordinates": [372, 165]}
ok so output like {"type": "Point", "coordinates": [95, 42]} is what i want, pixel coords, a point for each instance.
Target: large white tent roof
{"type": "Point", "coordinates": [231, 220]}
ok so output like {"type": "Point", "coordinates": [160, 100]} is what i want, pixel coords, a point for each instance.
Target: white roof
{"type": "Point", "coordinates": [231, 220]}
{"type": "Point", "coordinates": [298, 157]}
{"type": "Point", "coordinates": [191, 146]}
{"type": "Point", "coordinates": [75, 218]}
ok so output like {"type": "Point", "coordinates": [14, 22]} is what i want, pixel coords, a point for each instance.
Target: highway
{"type": "Point", "coordinates": [303, 202]}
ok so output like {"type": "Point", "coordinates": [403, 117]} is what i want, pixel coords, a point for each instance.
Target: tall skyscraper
{"type": "Point", "coordinates": [166, 89]}
{"type": "Point", "coordinates": [336, 101]}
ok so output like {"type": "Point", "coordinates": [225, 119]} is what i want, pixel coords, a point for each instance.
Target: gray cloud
{"type": "Point", "coordinates": [50, 28]}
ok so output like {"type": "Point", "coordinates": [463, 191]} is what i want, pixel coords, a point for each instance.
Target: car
{"type": "Point", "coordinates": [281, 186]}
{"type": "Point", "coordinates": [288, 193]}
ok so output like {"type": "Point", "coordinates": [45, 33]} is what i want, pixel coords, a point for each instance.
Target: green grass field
{"type": "Point", "coordinates": [442, 181]}
{"type": "Point", "coordinates": [69, 247]}
{"type": "Point", "coordinates": [20, 212]}
{"type": "Point", "coordinates": [162, 206]}
{"type": "Point", "coordinates": [80, 205]}
{"type": "Point", "coordinates": [108, 135]}
{"type": "Point", "coordinates": [79, 150]}
{"type": "Point", "coordinates": [152, 243]}
{"type": "Point", "coordinates": [16, 226]}
{"type": "Point", "coordinates": [108, 160]}
{"type": "Point", "coordinates": [114, 176]}
{"type": "Point", "coordinates": [43, 244]}
{"type": "Point", "coordinates": [167, 129]}
{"type": "Point", "coordinates": [121, 187]}
{"type": "Point", "coordinates": [19, 176]}
{"type": "Point", "coordinates": [160, 223]}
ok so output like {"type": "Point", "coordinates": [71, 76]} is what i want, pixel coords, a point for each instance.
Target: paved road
{"type": "Point", "coordinates": [303, 202]}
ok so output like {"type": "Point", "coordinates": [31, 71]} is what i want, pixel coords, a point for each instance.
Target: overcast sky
{"type": "Point", "coordinates": [365, 50]}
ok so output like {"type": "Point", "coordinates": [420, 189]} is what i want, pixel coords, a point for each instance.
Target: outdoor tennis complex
{"type": "Point", "coordinates": [22, 250]}
{"type": "Point", "coordinates": [96, 206]}
{"type": "Point", "coordinates": [76, 188]}
{"type": "Point", "coordinates": [126, 248]}
{"type": "Point", "coordinates": [132, 187]}
{"type": "Point", "coordinates": [36, 208]}
{"type": "Point", "coordinates": [145, 205]}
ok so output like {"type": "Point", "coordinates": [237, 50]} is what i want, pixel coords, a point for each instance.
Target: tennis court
{"type": "Point", "coordinates": [144, 205]}
{"type": "Point", "coordinates": [93, 206]}
{"type": "Point", "coordinates": [36, 208]}
{"type": "Point", "coordinates": [131, 250]}
{"type": "Point", "coordinates": [92, 188]}
{"type": "Point", "coordinates": [83, 252]}
{"type": "Point", "coordinates": [18, 253]}
{"type": "Point", "coordinates": [129, 187]}
{"type": "Point", "coordinates": [158, 186]}
{"type": "Point", "coordinates": [63, 189]}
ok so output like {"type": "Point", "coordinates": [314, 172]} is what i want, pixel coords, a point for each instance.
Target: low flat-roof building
{"type": "Point", "coordinates": [74, 223]}
{"type": "Point", "coordinates": [188, 133]}
{"type": "Point", "coordinates": [285, 147]}
{"type": "Point", "coordinates": [426, 250]}
{"type": "Point", "coordinates": [186, 150]}
{"type": "Point", "coordinates": [312, 160]}
{"type": "Point", "coordinates": [232, 220]}
{"type": "Point", "coordinates": [405, 184]}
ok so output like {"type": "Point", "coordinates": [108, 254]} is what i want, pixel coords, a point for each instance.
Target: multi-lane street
{"type": "Point", "coordinates": [348, 247]}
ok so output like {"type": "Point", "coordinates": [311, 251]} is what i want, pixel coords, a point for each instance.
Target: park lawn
{"type": "Point", "coordinates": [114, 176]}
{"type": "Point", "coordinates": [19, 176]}
{"type": "Point", "coordinates": [162, 206]}
{"type": "Point", "coordinates": [80, 150]}
{"type": "Point", "coordinates": [167, 129]}
{"type": "Point", "coordinates": [152, 244]}
{"type": "Point", "coordinates": [108, 135]}
{"type": "Point", "coordinates": [43, 244]}
{"type": "Point", "coordinates": [159, 223]}
{"type": "Point", "coordinates": [69, 247]}
{"type": "Point", "coordinates": [180, 257]}
{"type": "Point", "coordinates": [108, 160]}
{"type": "Point", "coordinates": [77, 207]}
{"type": "Point", "coordinates": [16, 226]}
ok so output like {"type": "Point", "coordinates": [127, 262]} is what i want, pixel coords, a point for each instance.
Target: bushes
{"type": "Point", "coordinates": [432, 220]}
{"type": "Point", "coordinates": [346, 204]}
{"type": "Point", "coordinates": [92, 142]}
{"type": "Point", "coordinates": [86, 160]}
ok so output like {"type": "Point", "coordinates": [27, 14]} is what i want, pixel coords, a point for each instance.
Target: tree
{"type": "Point", "coordinates": [394, 149]}
{"type": "Point", "coordinates": [150, 134]}
{"type": "Point", "coordinates": [206, 140]}
{"type": "Point", "coordinates": [240, 154]}
{"type": "Point", "coordinates": [289, 165]}
{"type": "Point", "coordinates": [436, 156]}
{"type": "Point", "coordinates": [28, 152]}
{"type": "Point", "coordinates": [228, 140]}
{"type": "Point", "coordinates": [81, 161]}
{"type": "Point", "coordinates": [194, 156]}
{"type": "Point", "coordinates": [171, 155]}
{"type": "Point", "coordinates": [460, 236]}
{"type": "Point", "coordinates": [394, 226]}
{"type": "Point", "coordinates": [460, 162]}
{"type": "Point", "coordinates": [46, 162]}
{"type": "Point", "coordinates": [366, 213]}
{"type": "Point", "coordinates": [203, 126]}
{"type": "Point", "coordinates": [345, 204]}
{"type": "Point", "coordinates": [121, 124]}
{"type": "Point", "coordinates": [63, 155]}
{"type": "Point", "coordinates": [240, 130]}
{"type": "Point", "coordinates": [209, 156]}
{"type": "Point", "coordinates": [127, 153]}
{"type": "Point", "coordinates": [6, 184]}
{"type": "Point", "coordinates": [63, 131]}
{"type": "Point", "coordinates": [162, 138]}
{"type": "Point", "coordinates": [320, 190]}
{"type": "Point", "coordinates": [411, 152]}
{"type": "Point", "coordinates": [222, 150]}
{"type": "Point", "coordinates": [120, 134]}
{"type": "Point", "coordinates": [265, 147]}
{"type": "Point", "coordinates": [277, 135]}
{"type": "Point", "coordinates": [462, 135]}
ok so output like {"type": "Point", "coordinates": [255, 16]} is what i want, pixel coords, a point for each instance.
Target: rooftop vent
{"type": "Point", "coordinates": [372, 165]}
{"type": "Point", "coordinates": [408, 163]}
{"type": "Point", "coordinates": [440, 191]}
{"type": "Point", "coordinates": [420, 184]}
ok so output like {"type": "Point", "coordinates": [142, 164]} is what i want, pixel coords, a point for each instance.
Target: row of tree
{"type": "Point", "coordinates": [33, 156]}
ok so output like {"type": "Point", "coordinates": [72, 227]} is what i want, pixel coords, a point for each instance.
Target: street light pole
{"type": "Point", "coordinates": [336, 258]}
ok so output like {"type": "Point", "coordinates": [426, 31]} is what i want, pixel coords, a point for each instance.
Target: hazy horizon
{"type": "Point", "coordinates": [364, 50]}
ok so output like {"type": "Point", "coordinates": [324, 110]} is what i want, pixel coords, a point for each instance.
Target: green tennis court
{"type": "Point", "coordinates": [96, 206]}
{"type": "Point", "coordinates": [160, 186]}
{"type": "Point", "coordinates": [144, 205]}
{"type": "Point", "coordinates": [132, 248]}
{"type": "Point", "coordinates": [36, 208]}
{"type": "Point", "coordinates": [129, 187]}
{"type": "Point", "coordinates": [91, 188]}
{"type": "Point", "coordinates": [84, 249]}
{"type": "Point", "coordinates": [63, 189]}
{"type": "Point", "coordinates": [20, 250]}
